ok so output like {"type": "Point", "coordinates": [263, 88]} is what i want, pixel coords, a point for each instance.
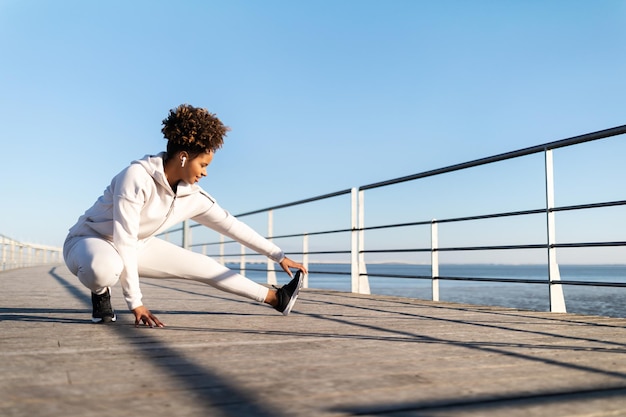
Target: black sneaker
{"type": "Point", "coordinates": [102, 310]}
{"type": "Point", "coordinates": [287, 294]}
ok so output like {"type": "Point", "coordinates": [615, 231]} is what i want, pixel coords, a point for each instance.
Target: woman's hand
{"type": "Point", "coordinates": [143, 315]}
{"type": "Point", "coordinates": [287, 263]}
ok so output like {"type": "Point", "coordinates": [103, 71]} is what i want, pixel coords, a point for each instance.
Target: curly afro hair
{"type": "Point", "coordinates": [194, 130]}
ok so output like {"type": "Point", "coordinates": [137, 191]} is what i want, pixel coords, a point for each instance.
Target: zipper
{"type": "Point", "coordinates": [167, 216]}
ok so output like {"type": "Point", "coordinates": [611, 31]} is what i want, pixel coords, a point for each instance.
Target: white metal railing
{"type": "Point", "coordinates": [357, 229]}
{"type": "Point", "coordinates": [17, 254]}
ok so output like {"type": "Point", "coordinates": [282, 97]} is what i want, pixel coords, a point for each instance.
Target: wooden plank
{"type": "Point", "coordinates": [338, 354]}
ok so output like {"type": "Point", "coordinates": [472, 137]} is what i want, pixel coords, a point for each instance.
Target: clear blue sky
{"type": "Point", "coordinates": [320, 95]}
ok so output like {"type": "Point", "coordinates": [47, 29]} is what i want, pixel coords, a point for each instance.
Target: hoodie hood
{"type": "Point", "coordinates": [155, 167]}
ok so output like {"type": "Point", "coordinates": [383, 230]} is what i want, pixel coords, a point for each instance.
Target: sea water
{"type": "Point", "coordinates": [601, 300]}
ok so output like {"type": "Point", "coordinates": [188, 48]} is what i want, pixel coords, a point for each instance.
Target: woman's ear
{"type": "Point", "coordinates": [183, 158]}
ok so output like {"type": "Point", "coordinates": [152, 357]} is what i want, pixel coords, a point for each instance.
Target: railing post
{"type": "Point", "coordinates": [364, 283]}
{"type": "Point", "coordinates": [12, 254]}
{"type": "Point", "coordinates": [4, 255]}
{"type": "Point", "coordinates": [434, 258]}
{"type": "Point", "coordinates": [20, 257]}
{"type": "Point", "coordinates": [271, 272]}
{"type": "Point", "coordinates": [186, 234]}
{"type": "Point", "coordinates": [242, 261]}
{"type": "Point", "coordinates": [354, 245]}
{"type": "Point", "coordinates": [360, 282]}
{"type": "Point", "coordinates": [222, 249]}
{"type": "Point", "coordinates": [305, 258]}
{"type": "Point", "coordinates": [557, 299]}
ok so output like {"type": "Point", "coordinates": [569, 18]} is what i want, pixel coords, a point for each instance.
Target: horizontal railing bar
{"type": "Point", "coordinates": [428, 222]}
{"type": "Point", "coordinates": [492, 216]}
{"type": "Point", "coordinates": [322, 252]}
{"type": "Point", "coordinates": [326, 252]}
{"type": "Point", "coordinates": [499, 247]}
{"type": "Point", "coordinates": [389, 226]}
{"type": "Point", "coordinates": [592, 283]}
{"type": "Point", "coordinates": [330, 272]}
{"type": "Point", "coordinates": [178, 229]}
{"type": "Point", "coordinates": [455, 278]}
{"type": "Point", "coordinates": [277, 237]}
{"type": "Point", "coordinates": [407, 250]}
{"type": "Point", "coordinates": [327, 232]}
{"type": "Point", "coordinates": [258, 269]}
{"type": "Point", "coordinates": [311, 271]}
{"type": "Point", "coordinates": [503, 280]}
{"type": "Point", "coordinates": [619, 130]}
{"type": "Point", "coordinates": [494, 247]}
{"type": "Point", "coordinates": [454, 249]}
{"type": "Point", "coordinates": [589, 244]}
{"type": "Point", "coordinates": [469, 279]}
{"type": "Point", "coordinates": [402, 276]}
{"type": "Point", "coordinates": [590, 206]}
{"type": "Point", "coordinates": [484, 279]}
{"type": "Point", "coordinates": [357, 249]}
{"type": "Point", "coordinates": [449, 278]}
{"type": "Point", "coordinates": [458, 219]}
{"type": "Point", "coordinates": [499, 215]}
{"type": "Point", "coordinates": [233, 255]}
{"type": "Point", "coordinates": [195, 245]}
{"type": "Point", "coordinates": [295, 203]}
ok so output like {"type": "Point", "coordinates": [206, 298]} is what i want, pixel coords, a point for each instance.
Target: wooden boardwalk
{"type": "Point", "coordinates": [337, 355]}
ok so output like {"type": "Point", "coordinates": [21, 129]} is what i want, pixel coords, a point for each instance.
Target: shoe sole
{"type": "Point", "coordinates": [294, 296]}
{"type": "Point", "coordinates": [106, 319]}
{"type": "Point", "coordinates": [98, 320]}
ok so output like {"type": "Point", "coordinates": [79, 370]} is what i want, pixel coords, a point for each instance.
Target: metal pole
{"type": "Point", "coordinates": [242, 261]}
{"type": "Point", "coordinates": [305, 259]}
{"type": "Point", "coordinates": [186, 234]}
{"type": "Point", "coordinates": [557, 299]}
{"type": "Point", "coordinates": [222, 249]}
{"type": "Point", "coordinates": [4, 254]}
{"type": "Point", "coordinates": [364, 284]}
{"type": "Point", "coordinates": [271, 272]}
{"type": "Point", "coordinates": [354, 246]}
{"type": "Point", "coordinates": [434, 258]}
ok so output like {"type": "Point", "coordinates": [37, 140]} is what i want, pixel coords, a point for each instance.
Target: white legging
{"type": "Point", "coordinates": [98, 265]}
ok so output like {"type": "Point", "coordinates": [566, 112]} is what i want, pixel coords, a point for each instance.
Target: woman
{"type": "Point", "coordinates": [114, 240]}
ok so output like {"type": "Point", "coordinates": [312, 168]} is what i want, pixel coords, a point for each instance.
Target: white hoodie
{"type": "Point", "coordinates": [139, 203]}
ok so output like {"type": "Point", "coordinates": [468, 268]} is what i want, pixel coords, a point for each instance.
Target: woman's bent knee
{"type": "Point", "coordinates": [97, 273]}
{"type": "Point", "coordinates": [95, 262]}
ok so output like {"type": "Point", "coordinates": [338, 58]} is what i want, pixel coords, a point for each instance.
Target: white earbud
{"type": "Point", "coordinates": [183, 161]}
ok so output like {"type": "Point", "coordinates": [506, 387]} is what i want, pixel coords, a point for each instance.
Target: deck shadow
{"type": "Point", "coordinates": [217, 394]}
{"type": "Point", "coordinates": [497, 404]}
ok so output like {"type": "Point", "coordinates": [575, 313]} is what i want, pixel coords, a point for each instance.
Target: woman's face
{"type": "Point", "coordinates": [195, 169]}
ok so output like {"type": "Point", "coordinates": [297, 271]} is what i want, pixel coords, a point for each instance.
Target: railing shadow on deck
{"type": "Point", "coordinates": [228, 399]}
{"type": "Point", "coordinates": [487, 403]}
{"type": "Point", "coordinates": [395, 335]}
{"type": "Point", "coordinates": [181, 368]}
{"type": "Point", "coordinates": [484, 402]}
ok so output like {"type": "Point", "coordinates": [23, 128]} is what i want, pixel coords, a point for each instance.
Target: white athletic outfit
{"type": "Point", "coordinates": [114, 240]}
